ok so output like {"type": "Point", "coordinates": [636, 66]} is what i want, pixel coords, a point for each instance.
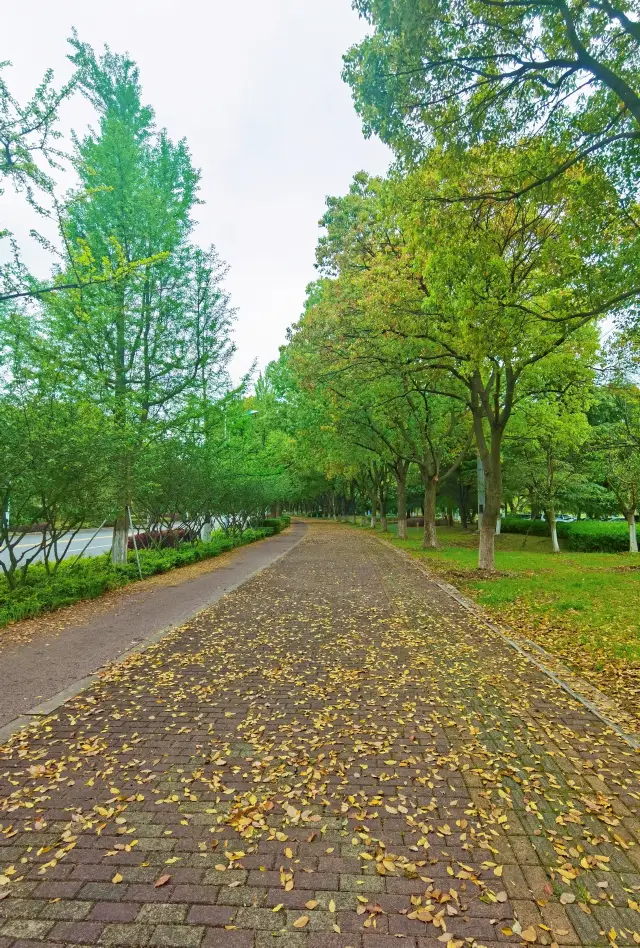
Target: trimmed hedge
{"type": "Point", "coordinates": [599, 536]}
{"type": "Point", "coordinates": [92, 576]}
{"type": "Point", "coordinates": [275, 525]}
{"type": "Point", "coordinates": [533, 528]}
{"type": "Point", "coordinates": [582, 536]}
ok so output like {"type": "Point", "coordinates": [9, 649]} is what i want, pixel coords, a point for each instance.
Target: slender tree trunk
{"type": "Point", "coordinates": [383, 511]}
{"type": "Point", "coordinates": [120, 537]}
{"type": "Point", "coordinates": [374, 507]}
{"type": "Point", "coordinates": [493, 500]}
{"type": "Point", "coordinates": [429, 539]}
{"type": "Point", "coordinates": [401, 480]}
{"type": "Point", "coordinates": [449, 513]}
{"type": "Point", "coordinates": [121, 525]}
{"type": "Point", "coordinates": [633, 536]}
{"type": "Point", "coordinates": [553, 527]}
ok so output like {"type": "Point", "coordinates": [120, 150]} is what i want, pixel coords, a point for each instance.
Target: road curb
{"type": "Point", "coordinates": [633, 740]}
{"type": "Point", "coordinates": [51, 705]}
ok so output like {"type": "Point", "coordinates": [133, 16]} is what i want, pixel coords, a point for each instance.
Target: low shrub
{"type": "Point", "coordinates": [599, 536]}
{"type": "Point", "coordinates": [533, 528]}
{"type": "Point", "coordinates": [92, 576]}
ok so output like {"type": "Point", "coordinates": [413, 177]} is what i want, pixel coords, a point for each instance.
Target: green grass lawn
{"type": "Point", "coordinates": [584, 607]}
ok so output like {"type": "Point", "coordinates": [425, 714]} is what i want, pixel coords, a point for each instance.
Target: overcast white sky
{"type": "Point", "coordinates": [255, 88]}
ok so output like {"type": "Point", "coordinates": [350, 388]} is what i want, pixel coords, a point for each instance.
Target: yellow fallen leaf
{"type": "Point", "coordinates": [301, 922]}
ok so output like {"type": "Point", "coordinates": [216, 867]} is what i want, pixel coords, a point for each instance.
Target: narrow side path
{"type": "Point", "coordinates": [336, 755]}
{"type": "Point", "coordinates": [67, 651]}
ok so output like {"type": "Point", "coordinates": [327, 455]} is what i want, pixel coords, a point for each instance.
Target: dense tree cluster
{"type": "Point", "coordinates": [462, 302]}
{"type": "Point", "coordinates": [115, 400]}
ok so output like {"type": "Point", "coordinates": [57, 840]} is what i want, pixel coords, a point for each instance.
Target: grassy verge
{"type": "Point", "coordinates": [583, 607]}
{"type": "Point", "coordinates": [92, 576]}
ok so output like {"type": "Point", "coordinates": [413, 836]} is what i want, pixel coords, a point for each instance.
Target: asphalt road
{"type": "Point", "coordinates": [100, 544]}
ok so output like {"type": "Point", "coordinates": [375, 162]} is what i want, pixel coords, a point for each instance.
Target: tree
{"type": "Point", "coordinates": [481, 71]}
{"type": "Point", "coordinates": [616, 439]}
{"type": "Point", "coordinates": [147, 341]}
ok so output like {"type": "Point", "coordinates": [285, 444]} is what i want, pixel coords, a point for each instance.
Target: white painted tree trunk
{"type": "Point", "coordinates": [120, 538]}
{"type": "Point", "coordinates": [633, 536]}
{"type": "Point", "coordinates": [205, 533]}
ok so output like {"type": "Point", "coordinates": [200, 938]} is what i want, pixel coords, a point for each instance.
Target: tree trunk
{"type": "Point", "coordinates": [120, 539]}
{"type": "Point", "coordinates": [383, 512]}
{"type": "Point", "coordinates": [429, 539]}
{"type": "Point", "coordinates": [551, 517]}
{"type": "Point", "coordinates": [374, 507]}
{"type": "Point", "coordinates": [449, 513]}
{"type": "Point", "coordinates": [205, 533]}
{"type": "Point", "coordinates": [401, 480]}
{"type": "Point", "coordinates": [633, 536]}
{"type": "Point", "coordinates": [493, 500]}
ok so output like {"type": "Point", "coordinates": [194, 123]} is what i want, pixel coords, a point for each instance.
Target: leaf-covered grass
{"type": "Point", "coordinates": [91, 577]}
{"type": "Point", "coordinates": [580, 606]}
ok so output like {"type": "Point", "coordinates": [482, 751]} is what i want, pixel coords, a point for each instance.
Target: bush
{"type": "Point", "coordinates": [92, 576]}
{"type": "Point", "coordinates": [582, 536]}
{"type": "Point", "coordinates": [533, 528]}
{"type": "Point", "coordinates": [599, 536]}
{"type": "Point", "coordinates": [275, 525]}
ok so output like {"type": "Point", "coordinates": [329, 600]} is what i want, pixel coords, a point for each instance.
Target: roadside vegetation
{"type": "Point", "coordinates": [90, 577]}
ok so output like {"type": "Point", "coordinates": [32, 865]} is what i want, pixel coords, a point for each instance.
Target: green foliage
{"type": "Point", "coordinates": [533, 528]}
{"type": "Point", "coordinates": [597, 536]}
{"type": "Point", "coordinates": [91, 577]}
{"type": "Point", "coordinates": [584, 536]}
{"type": "Point", "coordinates": [473, 72]}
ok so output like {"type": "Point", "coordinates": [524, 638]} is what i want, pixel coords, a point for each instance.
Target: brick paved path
{"type": "Point", "coordinates": [335, 755]}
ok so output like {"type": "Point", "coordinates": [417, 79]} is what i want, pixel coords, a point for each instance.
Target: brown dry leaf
{"type": "Point", "coordinates": [529, 934]}
{"type": "Point", "coordinates": [301, 922]}
{"type": "Point", "coordinates": [311, 904]}
{"type": "Point", "coordinates": [161, 881]}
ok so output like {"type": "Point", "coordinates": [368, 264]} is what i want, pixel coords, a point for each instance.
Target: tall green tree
{"type": "Point", "coordinates": [146, 341]}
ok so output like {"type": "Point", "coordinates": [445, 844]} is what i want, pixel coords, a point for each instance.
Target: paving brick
{"type": "Point", "coordinates": [215, 915]}
{"type": "Point", "coordinates": [26, 928]}
{"type": "Point", "coordinates": [82, 932]}
{"type": "Point", "coordinates": [177, 936]}
{"type": "Point", "coordinates": [114, 912]}
{"type": "Point", "coordinates": [67, 910]}
{"type": "Point", "coordinates": [162, 912]}
{"type": "Point", "coordinates": [127, 936]}
{"type": "Point", "coordinates": [366, 699]}
{"type": "Point", "coordinates": [215, 938]}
